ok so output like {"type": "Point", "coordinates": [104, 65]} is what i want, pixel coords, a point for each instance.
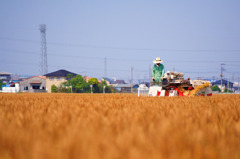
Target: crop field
{"type": "Point", "coordinates": [118, 126]}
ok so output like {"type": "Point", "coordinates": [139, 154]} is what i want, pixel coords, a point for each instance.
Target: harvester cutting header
{"type": "Point", "coordinates": [173, 83]}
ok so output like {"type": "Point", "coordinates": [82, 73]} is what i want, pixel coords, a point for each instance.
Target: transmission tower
{"type": "Point", "coordinates": [43, 57]}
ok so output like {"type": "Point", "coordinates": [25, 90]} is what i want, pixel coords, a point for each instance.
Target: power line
{"type": "Point", "coordinates": [123, 48]}
{"type": "Point", "coordinates": [66, 66]}
{"type": "Point", "coordinates": [119, 59]}
{"type": "Point", "coordinates": [113, 70]}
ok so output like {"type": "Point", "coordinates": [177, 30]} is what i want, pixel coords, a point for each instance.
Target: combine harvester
{"type": "Point", "coordinates": [173, 84]}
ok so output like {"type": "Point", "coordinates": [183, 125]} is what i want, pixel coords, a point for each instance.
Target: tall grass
{"type": "Point", "coordinates": [118, 126]}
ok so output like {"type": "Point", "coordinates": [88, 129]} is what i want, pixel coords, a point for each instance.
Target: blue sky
{"type": "Point", "coordinates": [193, 37]}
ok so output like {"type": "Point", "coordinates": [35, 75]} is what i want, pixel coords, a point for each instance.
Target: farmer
{"type": "Point", "coordinates": [158, 70]}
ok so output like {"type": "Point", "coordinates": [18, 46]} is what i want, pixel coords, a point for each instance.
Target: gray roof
{"type": "Point", "coordinates": [223, 82]}
{"type": "Point", "coordinates": [60, 73]}
{"type": "Point", "coordinates": [123, 85]}
{"type": "Point", "coordinates": [109, 80]}
{"type": "Point", "coordinates": [120, 82]}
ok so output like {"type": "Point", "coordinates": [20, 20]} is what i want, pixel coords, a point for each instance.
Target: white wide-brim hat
{"type": "Point", "coordinates": [158, 60]}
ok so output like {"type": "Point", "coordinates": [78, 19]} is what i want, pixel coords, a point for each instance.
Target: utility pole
{"type": "Point", "coordinates": [221, 75]}
{"type": "Point", "coordinates": [131, 79]}
{"type": "Point", "coordinates": [43, 63]}
{"type": "Point", "coordinates": [131, 75]}
{"type": "Point", "coordinates": [238, 85]}
{"type": "Point", "coordinates": [228, 87]}
{"type": "Point", "coordinates": [105, 66]}
{"type": "Point", "coordinates": [150, 73]}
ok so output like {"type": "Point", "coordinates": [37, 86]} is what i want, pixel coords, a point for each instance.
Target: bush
{"type": "Point", "coordinates": [54, 88]}
{"type": "Point", "coordinates": [108, 89]}
{"type": "Point", "coordinates": [228, 91]}
{"type": "Point", "coordinates": [2, 84]}
{"type": "Point", "coordinates": [216, 88]}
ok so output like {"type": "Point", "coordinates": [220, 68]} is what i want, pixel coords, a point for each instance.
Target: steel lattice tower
{"type": "Point", "coordinates": [43, 62]}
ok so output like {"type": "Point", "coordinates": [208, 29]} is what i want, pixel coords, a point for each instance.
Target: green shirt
{"type": "Point", "coordinates": [158, 72]}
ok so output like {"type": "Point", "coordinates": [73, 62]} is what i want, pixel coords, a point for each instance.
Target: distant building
{"type": "Point", "coordinates": [5, 77]}
{"type": "Point", "coordinates": [56, 78]}
{"type": "Point", "coordinates": [236, 89]}
{"type": "Point", "coordinates": [120, 82]}
{"type": "Point", "coordinates": [110, 82]}
{"type": "Point", "coordinates": [210, 80]}
{"type": "Point", "coordinates": [225, 84]}
{"type": "Point", "coordinates": [124, 88]}
{"type": "Point", "coordinates": [35, 84]}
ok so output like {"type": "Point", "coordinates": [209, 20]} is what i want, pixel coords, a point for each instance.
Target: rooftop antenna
{"type": "Point", "coordinates": [43, 55]}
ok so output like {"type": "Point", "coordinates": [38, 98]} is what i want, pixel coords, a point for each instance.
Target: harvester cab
{"type": "Point", "coordinates": [174, 84]}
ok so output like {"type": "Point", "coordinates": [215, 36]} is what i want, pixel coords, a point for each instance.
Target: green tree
{"type": "Point", "coordinates": [64, 88]}
{"type": "Point", "coordinates": [94, 82]}
{"type": "Point", "coordinates": [54, 88]}
{"type": "Point", "coordinates": [2, 84]}
{"type": "Point", "coordinates": [78, 84]}
{"type": "Point", "coordinates": [216, 88]}
{"type": "Point", "coordinates": [108, 89]}
{"type": "Point", "coordinates": [69, 76]}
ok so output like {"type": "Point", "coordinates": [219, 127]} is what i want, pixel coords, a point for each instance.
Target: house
{"type": "Point", "coordinates": [236, 87]}
{"type": "Point", "coordinates": [225, 84]}
{"type": "Point", "coordinates": [120, 82]}
{"type": "Point", "coordinates": [56, 78]}
{"type": "Point", "coordinates": [5, 77]}
{"type": "Point", "coordinates": [35, 84]}
{"type": "Point", "coordinates": [110, 82]}
{"type": "Point", "coordinates": [124, 88]}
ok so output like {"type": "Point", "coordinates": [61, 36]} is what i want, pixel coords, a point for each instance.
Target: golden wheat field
{"type": "Point", "coordinates": [118, 126]}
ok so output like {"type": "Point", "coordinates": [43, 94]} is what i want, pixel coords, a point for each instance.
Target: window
{"type": "Point", "coordinates": [36, 87]}
{"type": "Point", "coordinates": [51, 78]}
{"type": "Point", "coordinates": [43, 87]}
{"type": "Point", "coordinates": [26, 88]}
{"type": "Point", "coordinates": [59, 78]}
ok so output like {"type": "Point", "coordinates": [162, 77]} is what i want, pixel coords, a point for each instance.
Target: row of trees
{"type": "Point", "coordinates": [78, 84]}
{"type": "Point", "coordinates": [216, 88]}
